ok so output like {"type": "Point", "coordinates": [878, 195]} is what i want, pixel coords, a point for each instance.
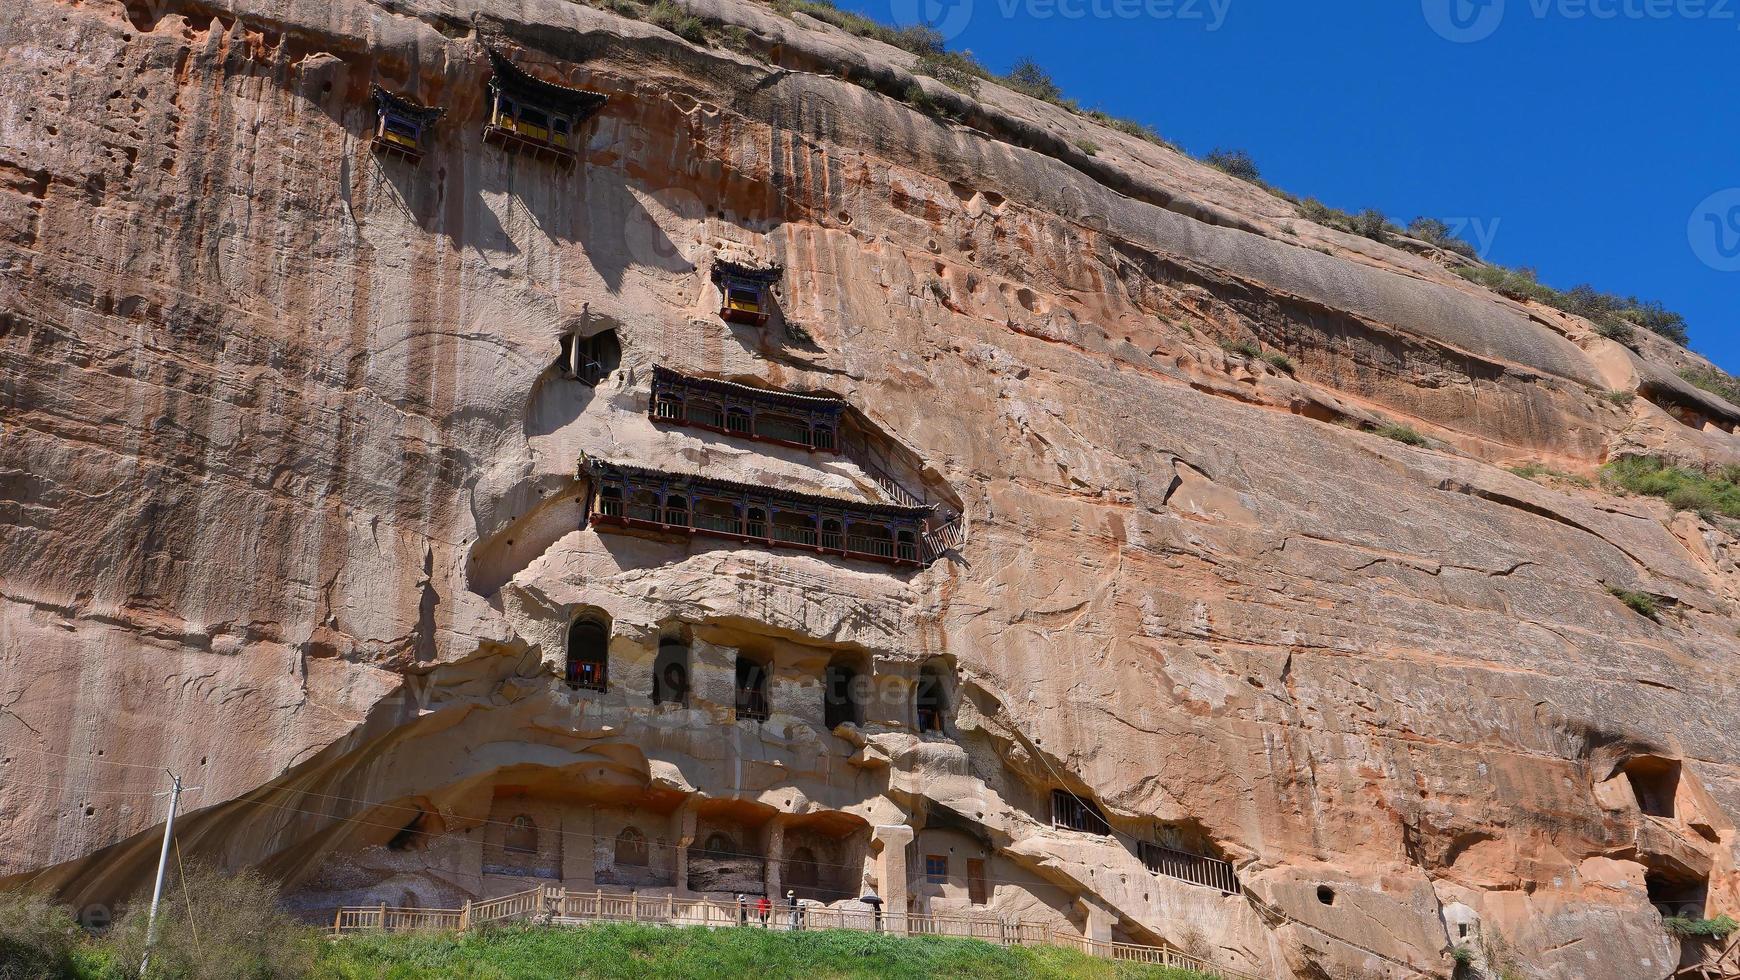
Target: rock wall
{"type": "Point", "coordinates": [291, 504]}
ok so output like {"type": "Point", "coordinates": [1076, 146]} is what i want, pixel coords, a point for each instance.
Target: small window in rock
{"type": "Point", "coordinates": [671, 673]}
{"type": "Point", "coordinates": [842, 702]}
{"type": "Point", "coordinates": [1326, 894]}
{"type": "Point", "coordinates": [588, 655]}
{"type": "Point", "coordinates": [752, 690]}
{"type": "Point", "coordinates": [936, 869]}
{"type": "Point", "coordinates": [1655, 783]}
{"type": "Point", "coordinates": [521, 836]}
{"type": "Point", "coordinates": [631, 848]}
{"type": "Point", "coordinates": [591, 359]}
{"type": "Point", "coordinates": [931, 699]}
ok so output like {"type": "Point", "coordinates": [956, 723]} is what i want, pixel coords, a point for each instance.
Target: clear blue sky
{"type": "Point", "coordinates": [1589, 145]}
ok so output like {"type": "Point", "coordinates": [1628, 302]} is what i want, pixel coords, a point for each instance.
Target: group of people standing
{"type": "Point", "coordinates": [763, 910]}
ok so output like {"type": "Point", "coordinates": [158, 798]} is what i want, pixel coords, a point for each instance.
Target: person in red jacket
{"type": "Point", "coordinates": [763, 908]}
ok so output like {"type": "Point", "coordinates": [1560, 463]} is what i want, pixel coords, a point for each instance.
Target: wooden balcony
{"type": "Point", "coordinates": [680, 504]}
{"type": "Point", "coordinates": [538, 118]}
{"type": "Point", "coordinates": [809, 422]}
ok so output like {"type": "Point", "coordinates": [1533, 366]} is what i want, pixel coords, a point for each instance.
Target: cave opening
{"type": "Point", "coordinates": [1675, 893]}
{"type": "Point", "coordinates": [1655, 782]}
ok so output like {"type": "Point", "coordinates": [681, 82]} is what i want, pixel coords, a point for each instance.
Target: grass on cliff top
{"type": "Point", "coordinates": [1715, 381]}
{"type": "Point", "coordinates": [651, 953]}
{"type": "Point", "coordinates": [1713, 494]}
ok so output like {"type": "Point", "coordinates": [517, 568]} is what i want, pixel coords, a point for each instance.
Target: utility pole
{"type": "Point", "coordinates": [162, 866]}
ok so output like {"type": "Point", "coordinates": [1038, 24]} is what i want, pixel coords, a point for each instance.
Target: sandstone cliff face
{"type": "Point", "coordinates": [292, 505]}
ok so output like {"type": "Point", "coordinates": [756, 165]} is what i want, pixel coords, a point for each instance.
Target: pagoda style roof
{"type": "Point", "coordinates": [664, 376]}
{"type": "Point", "coordinates": [606, 469]}
{"type": "Point", "coordinates": [766, 275]}
{"type": "Point", "coordinates": [514, 80]}
{"type": "Point", "coordinates": [405, 106]}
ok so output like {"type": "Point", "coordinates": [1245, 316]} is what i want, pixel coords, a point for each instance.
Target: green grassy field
{"type": "Point", "coordinates": [649, 953]}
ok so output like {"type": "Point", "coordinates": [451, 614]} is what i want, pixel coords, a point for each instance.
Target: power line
{"type": "Point", "coordinates": [79, 790]}
{"type": "Point", "coordinates": [83, 758]}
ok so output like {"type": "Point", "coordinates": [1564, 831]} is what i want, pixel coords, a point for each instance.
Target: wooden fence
{"type": "Point", "coordinates": [554, 905]}
{"type": "Point", "coordinates": [1151, 956]}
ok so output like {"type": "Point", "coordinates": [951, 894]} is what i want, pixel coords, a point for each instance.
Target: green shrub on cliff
{"type": "Point", "coordinates": [1405, 434]}
{"type": "Point", "coordinates": [1614, 316]}
{"type": "Point", "coordinates": [1719, 928]}
{"type": "Point", "coordinates": [1234, 163]}
{"type": "Point", "coordinates": [957, 71]}
{"type": "Point", "coordinates": [1712, 494]}
{"type": "Point", "coordinates": [1641, 603]}
{"type": "Point", "coordinates": [679, 20]}
{"type": "Point", "coordinates": [1715, 381]}
{"type": "Point", "coordinates": [1546, 474]}
{"type": "Point", "coordinates": [1438, 232]}
{"type": "Point", "coordinates": [1028, 78]}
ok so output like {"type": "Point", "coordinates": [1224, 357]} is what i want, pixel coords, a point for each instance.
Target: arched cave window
{"type": "Point", "coordinates": [842, 702]}
{"type": "Point", "coordinates": [671, 673]}
{"type": "Point", "coordinates": [588, 654]}
{"type": "Point", "coordinates": [802, 870]}
{"type": "Point", "coordinates": [719, 846]}
{"type": "Point", "coordinates": [751, 689]}
{"type": "Point", "coordinates": [521, 836]}
{"type": "Point", "coordinates": [631, 848]}
{"type": "Point", "coordinates": [931, 698]}
{"type": "Point", "coordinates": [593, 358]}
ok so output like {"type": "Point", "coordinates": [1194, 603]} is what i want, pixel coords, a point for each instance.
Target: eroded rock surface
{"type": "Point", "coordinates": [292, 503]}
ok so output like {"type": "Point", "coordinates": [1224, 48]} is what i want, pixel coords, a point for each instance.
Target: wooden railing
{"type": "Point", "coordinates": [1198, 869]}
{"type": "Point", "coordinates": [518, 905]}
{"type": "Point", "coordinates": [554, 905]}
{"type": "Point", "coordinates": [385, 918]}
{"type": "Point", "coordinates": [1150, 956]}
{"type": "Point", "coordinates": [951, 535]}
